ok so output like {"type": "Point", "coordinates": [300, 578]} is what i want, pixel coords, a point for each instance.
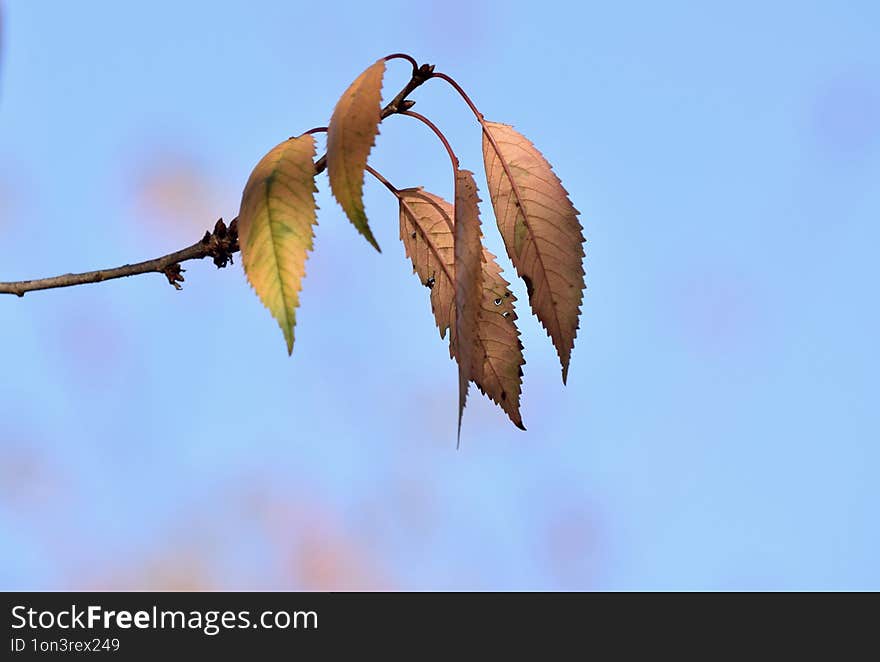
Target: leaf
{"type": "Point", "coordinates": [500, 376]}
{"type": "Point", "coordinates": [541, 231]}
{"type": "Point", "coordinates": [426, 229]}
{"type": "Point", "coordinates": [350, 137]}
{"type": "Point", "coordinates": [276, 227]}
{"type": "Point", "coordinates": [468, 251]}
{"type": "Point", "coordinates": [426, 232]}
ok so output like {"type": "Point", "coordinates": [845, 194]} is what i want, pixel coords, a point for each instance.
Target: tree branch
{"type": "Point", "coordinates": [221, 244]}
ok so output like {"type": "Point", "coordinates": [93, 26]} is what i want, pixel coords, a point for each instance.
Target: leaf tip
{"type": "Point", "coordinates": [358, 218]}
{"type": "Point", "coordinates": [288, 339]}
{"type": "Point", "coordinates": [463, 387]}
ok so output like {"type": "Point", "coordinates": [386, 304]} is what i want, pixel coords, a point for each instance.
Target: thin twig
{"type": "Point", "coordinates": [220, 244]}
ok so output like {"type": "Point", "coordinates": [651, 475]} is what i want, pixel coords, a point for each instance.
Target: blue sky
{"type": "Point", "coordinates": [716, 432]}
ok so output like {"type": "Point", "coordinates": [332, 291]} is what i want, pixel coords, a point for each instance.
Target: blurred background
{"type": "Point", "coordinates": [720, 426]}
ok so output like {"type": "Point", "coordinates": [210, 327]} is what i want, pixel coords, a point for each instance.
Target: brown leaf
{"type": "Point", "coordinates": [350, 137]}
{"type": "Point", "coordinates": [468, 251]}
{"type": "Point", "coordinates": [500, 376]}
{"type": "Point", "coordinates": [426, 232]}
{"type": "Point", "coordinates": [541, 231]}
{"type": "Point", "coordinates": [426, 229]}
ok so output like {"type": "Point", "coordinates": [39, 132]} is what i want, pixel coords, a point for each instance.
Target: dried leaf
{"type": "Point", "coordinates": [426, 232]}
{"type": "Point", "coordinates": [350, 137]}
{"type": "Point", "coordinates": [276, 227]}
{"type": "Point", "coordinates": [541, 231]}
{"type": "Point", "coordinates": [426, 229]}
{"type": "Point", "coordinates": [468, 251]}
{"type": "Point", "coordinates": [500, 376]}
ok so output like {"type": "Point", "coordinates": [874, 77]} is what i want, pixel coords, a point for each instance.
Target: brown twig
{"type": "Point", "coordinates": [221, 244]}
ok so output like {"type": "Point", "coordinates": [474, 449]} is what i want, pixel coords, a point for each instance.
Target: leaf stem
{"type": "Point", "coordinates": [403, 56]}
{"type": "Point", "coordinates": [458, 88]}
{"type": "Point", "coordinates": [384, 181]}
{"type": "Point", "coordinates": [438, 133]}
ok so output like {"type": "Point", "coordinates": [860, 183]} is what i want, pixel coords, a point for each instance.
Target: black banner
{"type": "Point", "coordinates": [136, 625]}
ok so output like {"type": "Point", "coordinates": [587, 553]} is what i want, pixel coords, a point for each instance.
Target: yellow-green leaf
{"type": "Point", "coordinates": [276, 227]}
{"type": "Point", "coordinates": [350, 137]}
